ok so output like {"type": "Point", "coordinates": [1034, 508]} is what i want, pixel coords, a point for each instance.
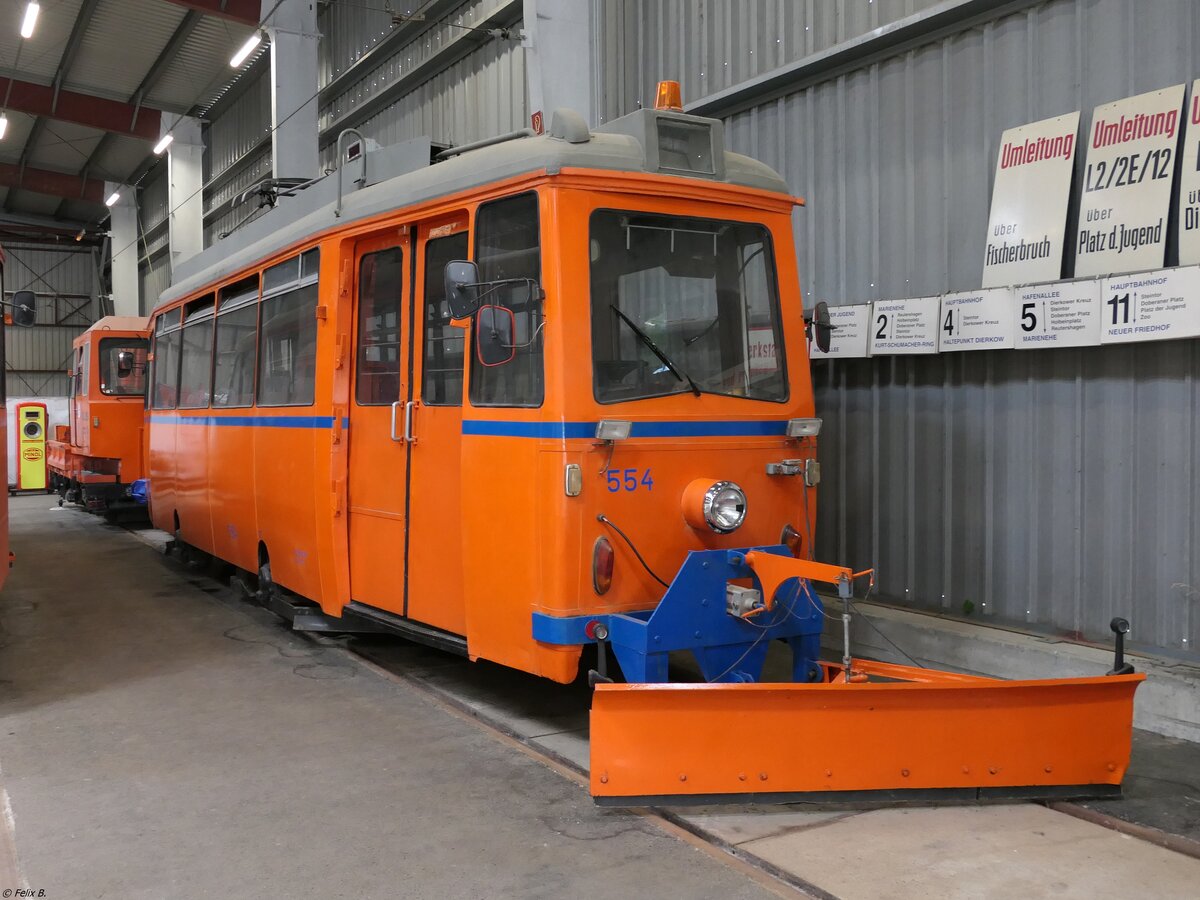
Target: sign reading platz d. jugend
{"type": "Point", "coordinates": [1127, 183]}
{"type": "Point", "coordinates": [1189, 183]}
{"type": "Point", "coordinates": [1029, 202]}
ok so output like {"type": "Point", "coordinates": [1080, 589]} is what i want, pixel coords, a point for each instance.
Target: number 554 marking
{"type": "Point", "coordinates": [629, 480]}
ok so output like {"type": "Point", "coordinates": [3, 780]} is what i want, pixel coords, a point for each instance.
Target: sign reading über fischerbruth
{"type": "Point", "coordinates": [1028, 220]}
{"type": "Point", "coordinates": [1189, 183]}
{"type": "Point", "coordinates": [1127, 183]}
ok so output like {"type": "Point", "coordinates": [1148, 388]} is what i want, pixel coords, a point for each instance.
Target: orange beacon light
{"type": "Point", "coordinates": [669, 96]}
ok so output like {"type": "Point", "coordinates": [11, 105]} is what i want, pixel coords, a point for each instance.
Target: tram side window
{"type": "Point", "coordinates": [507, 246]}
{"type": "Point", "coordinates": [287, 348]}
{"type": "Point", "coordinates": [380, 288]}
{"type": "Point", "coordinates": [166, 364]}
{"type": "Point", "coordinates": [196, 365]}
{"type": "Point", "coordinates": [235, 344]}
{"type": "Point", "coordinates": [233, 366]}
{"type": "Point", "coordinates": [442, 364]}
{"type": "Point", "coordinates": [111, 381]}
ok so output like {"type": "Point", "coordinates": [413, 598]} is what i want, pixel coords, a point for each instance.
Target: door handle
{"type": "Point", "coordinates": [396, 437]}
{"type": "Point", "coordinates": [408, 421]}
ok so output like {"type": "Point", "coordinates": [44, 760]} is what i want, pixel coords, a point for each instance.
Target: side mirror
{"type": "Point", "coordinates": [494, 329]}
{"type": "Point", "coordinates": [124, 363]}
{"type": "Point", "coordinates": [462, 288]}
{"type": "Point", "coordinates": [24, 308]}
{"type": "Point", "coordinates": [818, 327]}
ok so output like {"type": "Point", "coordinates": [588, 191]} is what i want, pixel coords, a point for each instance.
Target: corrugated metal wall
{"type": "Point", "coordinates": [153, 210]}
{"type": "Point", "coordinates": [479, 94]}
{"type": "Point", "coordinates": [1052, 488]}
{"type": "Point", "coordinates": [710, 45]}
{"type": "Point", "coordinates": [37, 357]}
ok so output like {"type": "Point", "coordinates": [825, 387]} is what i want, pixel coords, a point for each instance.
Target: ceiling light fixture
{"type": "Point", "coordinates": [30, 20]}
{"type": "Point", "coordinates": [3, 125]}
{"type": "Point", "coordinates": [247, 48]}
{"type": "Point", "coordinates": [112, 198]}
{"type": "Point", "coordinates": [163, 143]}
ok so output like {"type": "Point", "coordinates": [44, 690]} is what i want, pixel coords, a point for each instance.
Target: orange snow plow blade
{"type": "Point", "coordinates": [921, 734]}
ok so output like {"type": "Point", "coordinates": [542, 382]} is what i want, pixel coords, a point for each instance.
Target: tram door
{"type": "Point", "coordinates": [377, 481]}
{"type": "Point", "coordinates": [435, 579]}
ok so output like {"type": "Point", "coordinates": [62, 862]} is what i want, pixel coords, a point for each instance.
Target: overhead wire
{"type": "Point", "coordinates": [270, 131]}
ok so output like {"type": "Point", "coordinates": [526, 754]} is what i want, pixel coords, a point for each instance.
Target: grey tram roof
{"type": "Point", "coordinates": [401, 175]}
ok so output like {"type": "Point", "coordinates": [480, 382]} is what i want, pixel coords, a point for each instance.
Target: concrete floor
{"type": "Point", "coordinates": [158, 743]}
{"type": "Point", "coordinates": [162, 739]}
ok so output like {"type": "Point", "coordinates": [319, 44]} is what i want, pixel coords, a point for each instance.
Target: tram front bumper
{"type": "Point", "coordinates": [897, 731]}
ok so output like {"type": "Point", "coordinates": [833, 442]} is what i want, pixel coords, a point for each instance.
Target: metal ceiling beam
{"type": "Point", "coordinates": [244, 11]}
{"type": "Point", "coordinates": [182, 32]}
{"type": "Point", "coordinates": [31, 141]}
{"type": "Point", "coordinates": [83, 109]}
{"type": "Point", "coordinates": [165, 58]}
{"type": "Point", "coordinates": [86, 169]}
{"type": "Point", "coordinates": [45, 223]}
{"type": "Point", "coordinates": [56, 184]}
{"type": "Point", "coordinates": [82, 20]}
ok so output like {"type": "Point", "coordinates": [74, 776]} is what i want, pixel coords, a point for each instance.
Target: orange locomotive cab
{"type": "Point", "coordinates": [542, 393]}
{"type": "Point", "coordinates": [97, 456]}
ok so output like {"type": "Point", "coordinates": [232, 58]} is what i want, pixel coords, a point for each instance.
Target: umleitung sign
{"type": "Point", "coordinates": [1127, 180]}
{"type": "Point", "coordinates": [1029, 202]}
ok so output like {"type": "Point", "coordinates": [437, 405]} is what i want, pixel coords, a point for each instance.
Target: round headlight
{"type": "Point", "coordinates": [724, 507]}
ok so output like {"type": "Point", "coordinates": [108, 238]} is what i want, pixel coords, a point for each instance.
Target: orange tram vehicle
{"type": "Point", "coordinates": [552, 391]}
{"type": "Point", "coordinates": [96, 459]}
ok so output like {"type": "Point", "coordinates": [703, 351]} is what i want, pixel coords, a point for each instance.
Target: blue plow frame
{"type": "Point", "coordinates": [692, 616]}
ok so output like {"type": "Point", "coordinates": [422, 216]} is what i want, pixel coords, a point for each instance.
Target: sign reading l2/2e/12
{"type": "Point", "coordinates": [903, 326]}
{"type": "Point", "coordinates": [1151, 306]}
{"type": "Point", "coordinates": [1065, 314]}
{"type": "Point", "coordinates": [976, 320]}
{"type": "Point", "coordinates": [1127, 183]}
{"type": "Point", "coordinates": [1189, 183]}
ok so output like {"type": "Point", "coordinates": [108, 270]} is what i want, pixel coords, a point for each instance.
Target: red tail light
{"type": "Point", "coordinates": [602, 565]}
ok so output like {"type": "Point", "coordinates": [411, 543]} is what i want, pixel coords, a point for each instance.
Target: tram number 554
{"type": "Point", "coordinates": [629, 480]}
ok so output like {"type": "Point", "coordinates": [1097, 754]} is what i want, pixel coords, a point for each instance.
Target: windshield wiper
{"type": "Point", "coordinates": [649, 342]}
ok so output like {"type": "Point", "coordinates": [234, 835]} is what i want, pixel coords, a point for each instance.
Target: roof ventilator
{"type": "Point", "coordinates": [568, 125]}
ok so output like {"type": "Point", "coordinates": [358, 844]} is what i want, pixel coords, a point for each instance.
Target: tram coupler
{"type": "Point", "coordinates": [1120, 628]}
{"type": "Point", "coordinates": [599, 675]}
{"type": "Point", "coordinates": [729, 642]}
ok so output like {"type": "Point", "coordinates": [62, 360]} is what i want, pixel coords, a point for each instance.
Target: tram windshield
{"type": "Point", "coordinates": [114, 378]}
{"type": "Point", "coordinates": [684, 305]}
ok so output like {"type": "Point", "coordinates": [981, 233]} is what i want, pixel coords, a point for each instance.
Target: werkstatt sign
{"type": "Point", "coordinates": [1189, 183]}
{"type": "Point", "coordinates": [1127, 183]}
{"type": "Point", "coordinates": [1029, 202]}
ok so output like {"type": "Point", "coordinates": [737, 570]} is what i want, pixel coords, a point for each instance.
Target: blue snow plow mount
{"type": "Point", "coordinates": [728, 627]}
